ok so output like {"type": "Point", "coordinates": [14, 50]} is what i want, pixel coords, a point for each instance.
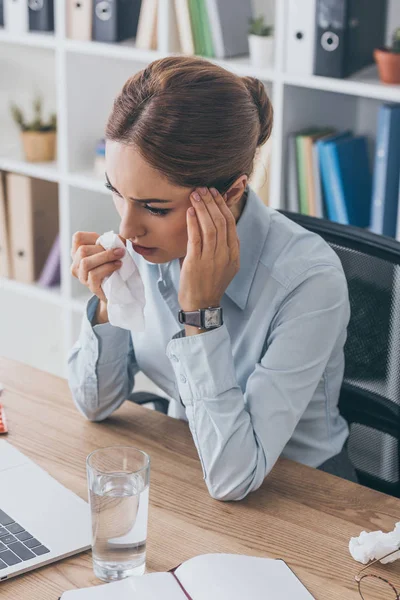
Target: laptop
{"type": "Point", "coordinates": [41, 521]}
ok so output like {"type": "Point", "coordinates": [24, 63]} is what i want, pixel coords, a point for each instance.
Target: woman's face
{"type": "Point", "coordinates": [156, 229]}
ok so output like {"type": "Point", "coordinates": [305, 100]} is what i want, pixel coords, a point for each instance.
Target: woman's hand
{"type": "Point", "coordinates": [91, 263]}
{"type": "Point", "coordinates": [213, 256]}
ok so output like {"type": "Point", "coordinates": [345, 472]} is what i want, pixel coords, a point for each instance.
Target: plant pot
{"type": "Point", "coordinates": [39, 146]}
{"type": "Point", "coordinates": [388, 65]}
{"type": "Point", "coordinates": [261, 50]}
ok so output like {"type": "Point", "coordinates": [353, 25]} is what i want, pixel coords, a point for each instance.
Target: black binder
{"type": "Point", "coordinates": [41, 15]}
{"type": "Point", "coordinates": [1, 14]}
{"type": "Point", "coordinates": [347, 32]}
{"type": "Point", "coordinates": [115, 20]}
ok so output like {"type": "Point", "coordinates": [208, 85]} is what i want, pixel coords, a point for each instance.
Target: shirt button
{"type": "Point", "coordinates": [183, 378]}
{"type": "Point", "coordinates": [174, 358]}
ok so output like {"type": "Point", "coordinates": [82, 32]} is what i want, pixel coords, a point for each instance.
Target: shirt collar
{"type": "Point", "coordinates": [252, 228]}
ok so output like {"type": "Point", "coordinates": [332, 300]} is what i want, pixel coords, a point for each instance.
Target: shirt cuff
{"type": "Point", "coordinates": [203, 364]}
{"type": "Point", "coordinates": [112, 342]}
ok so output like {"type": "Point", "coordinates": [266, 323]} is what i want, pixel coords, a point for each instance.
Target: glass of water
{"type": "Point", "coordinates": [118, 481]}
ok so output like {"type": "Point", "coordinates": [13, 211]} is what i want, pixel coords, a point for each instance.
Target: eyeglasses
{"type": "Point", "coordinates": [375, 587]}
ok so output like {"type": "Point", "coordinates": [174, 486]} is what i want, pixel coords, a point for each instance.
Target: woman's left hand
{"type": "Point", "coordinates": [213, 256]}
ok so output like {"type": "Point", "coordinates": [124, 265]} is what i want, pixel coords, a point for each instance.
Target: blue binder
{"type": "Point", "coordinates": [324, 166]}
{"type": "Point", "coordinates": [347, 180]}
{"type": "Point", "coordinates": [386, 173]}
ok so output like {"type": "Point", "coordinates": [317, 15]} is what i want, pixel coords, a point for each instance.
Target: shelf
{"type": "Point", "coordinates": [39, 40]}
{"type": "Point", "coordinates": [127, 51]}
{"type": "Point", "coordinates": [51, 295]}
{"type": "Point", "coordinates": [88, 180]}
{"type": "Point", "coordinates": [365, 84]}
{"type": "Point", "coordinates": [78, 305]}
{"type": "Point", "coordinates": [48, 171]}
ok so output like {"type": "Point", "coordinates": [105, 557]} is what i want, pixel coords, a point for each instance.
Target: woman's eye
{"type": "Point", "coordinates": [156, 211]}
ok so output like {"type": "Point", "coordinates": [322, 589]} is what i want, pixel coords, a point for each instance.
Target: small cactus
{"type": "Point", "coordinates": [258, 27]}
{"type": "Point", "coordinates": [396, 41]}
{"type": "Point", "coordinates": [37, 123]}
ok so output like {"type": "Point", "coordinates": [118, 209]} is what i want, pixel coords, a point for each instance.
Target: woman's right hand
{"type": "Point", "coordinates": [91, 263]}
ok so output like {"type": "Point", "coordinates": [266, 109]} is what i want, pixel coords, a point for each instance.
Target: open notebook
{"type": "Point", "coordinates": [206, 577]}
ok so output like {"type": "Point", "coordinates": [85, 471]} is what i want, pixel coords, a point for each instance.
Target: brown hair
{"type": "Point", "coordinates": [192, 120]}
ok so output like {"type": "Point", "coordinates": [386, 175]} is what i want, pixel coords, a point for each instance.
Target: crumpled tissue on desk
{"type": "Point", "coordinates": [375, 544]}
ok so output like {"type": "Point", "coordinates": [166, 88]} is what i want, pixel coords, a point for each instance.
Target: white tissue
{"type": "Point", "coordinates": [375, 544]}
{"type": "Point", "coordinates": [123, 289]}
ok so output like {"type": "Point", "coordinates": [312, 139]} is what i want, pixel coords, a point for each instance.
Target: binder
{"type": "Point", "coordinates": [5, 256]}
{"type": "Point", "coordinates": [229, 25]}
{"type": "Point", "coordinates": [300, 37]}
{"type": "Point", "coordinates": [79, 19]}
{"type": "Point", "coordinates": [167, 28]}
{"type": "Point", "coordinates": [1, 13]}
{"type": "Point", "coordinates": [386, 171]}
{"type": "Point", "coordinates": [115, 20]}
{"type": "Point", "coordinates": [184, 26]}
{"type": "Point", "coordinates": [15, 16]}
{"type": "Point", "coordinates": [41, 15]}
{"type": "Point", "coordinates": [51, 272]}
{"type": "Point", "coordinates": [347, 32]}
{"type": "Point", "coordinates": [33, 218]}
{"type": "Point", "coordinates": [146, 36]}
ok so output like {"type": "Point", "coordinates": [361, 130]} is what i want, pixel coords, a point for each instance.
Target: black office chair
{"type": "Point", "coordinates": [370, 394]}
{"type": "Point", "coordinates": [370, 398]}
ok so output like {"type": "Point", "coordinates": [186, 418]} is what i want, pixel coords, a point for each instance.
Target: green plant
{"type": "Point", "coordinates": [37, 123]}
{"type": "Point", "coordinates": [258, 27]}
{"type": "Point", "coordinates": [396, 41]}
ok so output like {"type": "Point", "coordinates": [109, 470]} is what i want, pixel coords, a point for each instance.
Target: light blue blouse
{"type": "Point", "coordinates": [264, 384]}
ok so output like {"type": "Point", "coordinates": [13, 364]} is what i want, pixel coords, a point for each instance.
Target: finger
{"type": "Point", "coordinates": [207, 227]}
{"type": "Point", "coordinates": [194, 235]}
{"type": "Point", "coordinates": [216, 215]}
{"type": "Point", "coordinates": [83, 238]}
{"type": "Point", "coordinates": [231, 229]}
{"type": "Point", "coordinates": [96, 276]}
{"type": "Point", "coordinates": [84, 252]}
{"type": "Point", "coordinates": [90, 262]}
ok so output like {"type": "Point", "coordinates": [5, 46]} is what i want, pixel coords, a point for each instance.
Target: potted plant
{"type": "Point", "coordinates": [38, 137]}
{"type": "Point", "coordinates": [261, 43]}
{"type": "Point", "coordinates": [388, 60]}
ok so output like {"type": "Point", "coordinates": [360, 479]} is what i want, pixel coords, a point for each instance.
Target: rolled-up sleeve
{"type": "Point", "coordinates": [239, 436]}
{"type": "Point", "coordinates": [101, 367]}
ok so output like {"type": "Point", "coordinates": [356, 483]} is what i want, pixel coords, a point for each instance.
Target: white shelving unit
{"type": "Point", "coordinates": [80, 80]}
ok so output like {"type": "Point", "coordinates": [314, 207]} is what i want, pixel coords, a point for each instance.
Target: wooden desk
{"type": "Point", "coordinates": [299, 514]}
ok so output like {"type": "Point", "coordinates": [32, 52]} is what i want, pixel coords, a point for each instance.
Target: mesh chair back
{"type": "Point", "coordinates": [370, 394]}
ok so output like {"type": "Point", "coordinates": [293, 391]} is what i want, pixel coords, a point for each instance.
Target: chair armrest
{"type": "Point", "coordinates": [369, 409]}
{"type": "Point", "coordinates": [160, 404]}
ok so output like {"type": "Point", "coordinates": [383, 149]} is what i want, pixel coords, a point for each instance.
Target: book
{"type": "Point", "coordinates": [51, 272]}
{"type": "Point", "coordinates": [5, 254]}
{"type": "Point", "coordinates": [168, 37]}
{"type": "Point", "coordinates": [386, 171]}
{"type": "Point", "coordinates": [146, 34]}
{"type": "Point", "coordinates": [184, 26]}
{"type": "Point", "coordinates": [206, 577]}
{"type": "Point", "coordinates": [229, 25]}
{"type": "Point", "coordinates": [347, 181]}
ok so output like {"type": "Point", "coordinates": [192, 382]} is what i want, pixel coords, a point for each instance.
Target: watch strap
{"type": "Point", "coordinates": [191, 317]}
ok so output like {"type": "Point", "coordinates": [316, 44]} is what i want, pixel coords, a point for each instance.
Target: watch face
{"type": "Point", "coordinates": [212, 317]}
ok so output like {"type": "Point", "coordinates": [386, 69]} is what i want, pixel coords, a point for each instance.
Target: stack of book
{"type": "Point", "coordinates": [329, 175]}
{"type": "Point", "coordinates": [29, 241]}
{"type": "Point", "coordinates": [333, 38]}
{"type": "Point", "coordinates": [210, 28]}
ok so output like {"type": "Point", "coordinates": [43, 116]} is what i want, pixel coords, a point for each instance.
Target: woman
{"type": "Point", "coordinates": [264, 380]}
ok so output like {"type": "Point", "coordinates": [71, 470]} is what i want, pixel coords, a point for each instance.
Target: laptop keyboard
{"type": "Point", "coordinates": [17, 544]}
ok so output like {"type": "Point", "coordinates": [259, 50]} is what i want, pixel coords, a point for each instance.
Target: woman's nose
{"type": "Point", "coordinates": [131, 226]}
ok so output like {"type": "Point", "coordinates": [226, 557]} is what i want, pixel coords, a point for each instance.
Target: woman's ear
{"type": "Point", "coordinates": [236, 191]}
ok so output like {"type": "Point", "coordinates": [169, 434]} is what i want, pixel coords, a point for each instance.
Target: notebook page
{"type": "Point", "coordinates": [145, 587]}
{"type": "Point", "coordinates": [234, 577]}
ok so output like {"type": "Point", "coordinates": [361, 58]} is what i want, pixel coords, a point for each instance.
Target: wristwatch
{"type": "Point", "coordinates": [204, 318]}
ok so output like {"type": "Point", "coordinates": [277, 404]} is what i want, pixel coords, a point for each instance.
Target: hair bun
{"type": "Point", "coordinates": [263, 105]}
